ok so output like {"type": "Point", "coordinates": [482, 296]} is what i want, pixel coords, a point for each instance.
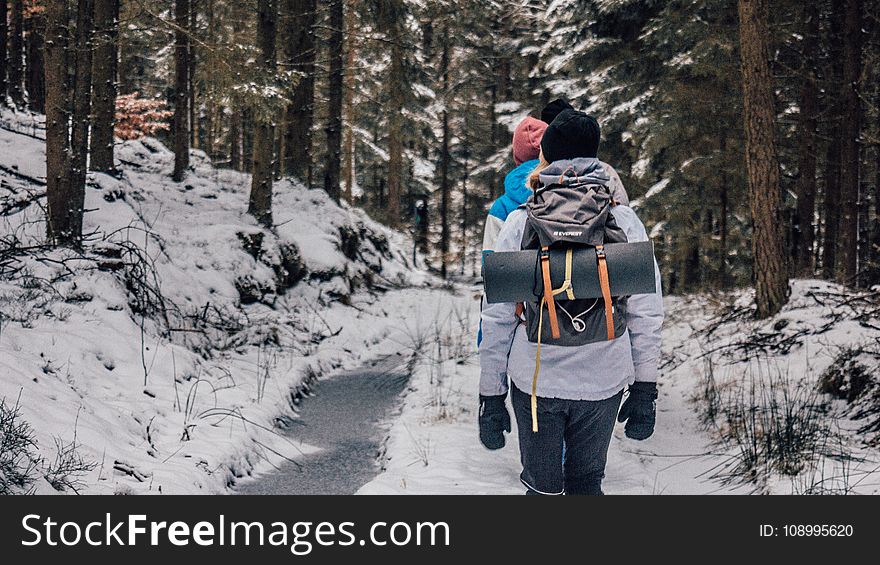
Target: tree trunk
{"type": "Point", "coordinates": [444, 157]}
{"type": "Point", "coordinates": [82, 100]}
{"type": "Point", "coordinates": [396, 83]}
{"type": "Point", "coordinates": [864, 236]}
{"type": "Point", "coordinates": [802, 232]}
{"type": "Point", "coordinates": [875, 236]}
{"type": "Point", "coordinates": [348, 159]}
{"type": "Point", "coordinates": [465, 244]}
{"type": "Point", "coordinates": [770, 274]}
{"type": "Point", "coordinates": [690, 279]}
{"type": "Point", "coordinates": [724, 211]}
{"type": "Point", "coordinates": [875, 226]}
{"type": "Point", "coordinates": [191, 76]}
{"type": "Point", "coordinates": [15, 81]}
{"type": "Point", "coordinates": [235, 150]}
{"type": "Point", "coordinates": [4, 38]}
{"type": "Point", "coordinates": [104, 84]}
{"type": "Point", "coordinates": [846, 265]}
{"type": "Point", "coordinates": [180, 123]}
{"type": "Point", "coordinates": [247, 139]}
{"type": "Point", "coordinates": [260, 205]}
{"type": "Point", "coordinates": [212, 110]}
{"type": "Point", "coordinates": [35, 76]}
{"type": "Point", "coordinates": [63, 218]}
{"type": "Point", "coordinates": [832, 196]}
{"type": "Point", "coordinates": [299, 54]}
{"type": "Point", "coordinates": [334, 104]}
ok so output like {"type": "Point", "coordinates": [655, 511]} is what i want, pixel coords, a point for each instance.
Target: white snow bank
{"type": "Point", "coordinates": [142, 347]}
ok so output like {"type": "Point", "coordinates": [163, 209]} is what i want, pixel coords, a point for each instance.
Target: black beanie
{"type": "Point", "coordinates": [571, 135]}
{"type": "Point", "coordinates": [551, 110]}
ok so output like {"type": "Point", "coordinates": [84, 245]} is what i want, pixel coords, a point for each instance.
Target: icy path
{"type": "Point", "coordinates": [341, 429]}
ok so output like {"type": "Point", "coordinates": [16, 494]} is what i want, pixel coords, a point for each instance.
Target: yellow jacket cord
{"type": "Point", "coordinates": [567, 284]}
{"type": "Point", "coordinates": [566, 287]}
{"type": "Point", "coordinates": [537, 368]}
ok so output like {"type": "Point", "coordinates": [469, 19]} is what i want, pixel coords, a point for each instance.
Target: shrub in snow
{"type": "Point", "coordinates": [18, 451]}
{"type": "Point", "coordinates": [138, 117]}
{"type": "Point", "coordinates": [847, 377]}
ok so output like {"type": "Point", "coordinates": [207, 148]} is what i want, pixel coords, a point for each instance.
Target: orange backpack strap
{"type": "Point", "coordinates": [548, 292]}
{"type": "Point", "coordinates": [605, 285]}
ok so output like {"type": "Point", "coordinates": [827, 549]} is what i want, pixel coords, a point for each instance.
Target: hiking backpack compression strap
{"type": "Point", "coordinates": [548, 292]}
{"type": "Point", "coordinates": [605, 284]}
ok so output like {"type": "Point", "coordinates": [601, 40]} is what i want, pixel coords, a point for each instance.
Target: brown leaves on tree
{"type": "Point", "coordinates": [138, 117]}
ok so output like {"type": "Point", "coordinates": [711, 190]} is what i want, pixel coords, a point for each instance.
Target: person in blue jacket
{"type": "Point", "coordinates": [526, 148]}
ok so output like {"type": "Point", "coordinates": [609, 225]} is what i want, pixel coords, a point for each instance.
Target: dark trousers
{"type": "Point", "coordinates": [583, 426]}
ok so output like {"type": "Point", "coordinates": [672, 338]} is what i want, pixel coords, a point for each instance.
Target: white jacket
{"type": "Point", "coordinates": [589, 372]}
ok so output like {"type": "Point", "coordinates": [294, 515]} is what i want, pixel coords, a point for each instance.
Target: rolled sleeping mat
{"type": "Point", "coordinates": [515, 276]}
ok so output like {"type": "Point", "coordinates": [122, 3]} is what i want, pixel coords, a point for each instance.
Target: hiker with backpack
{"type": "Point", "coordinates": [526, 147]}
{"type": "Point", "coordinates": [569, 359]}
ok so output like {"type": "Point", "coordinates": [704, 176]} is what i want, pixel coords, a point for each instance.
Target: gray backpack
{"type": "Point", "coordinates": [570, 214]}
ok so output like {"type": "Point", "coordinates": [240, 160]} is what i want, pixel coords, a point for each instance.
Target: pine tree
{"type": "Point", "coordinates": [4, 38]}
{"type": "Point", "coordinates": [850, 162]}
{"type": "Point", "coordinates": [299, 57]}
{"type": "Point", "coordinates": [771, 277]}
{"type": "Point", "coordinates": [34, 79]}
{"type": "Point", "coordinates": [82, 93]}
{"type": "Point", "coordinates": [104, 92]}
{"type": "Point", "coordinates": [260, 205]}
{"type": "Point", "coordinates": [393, 21]}
{"type": "Point", "coordinates": [834, 131]}
{"type": "Point", "coordinates": [64, 219]}
{"type": "Point", "coordinates": [15, 78]}
{"type": "Point", "coordinates": [445, 158]}
{"type": "Point", "coordinates": [336, 83]}
{"type": "Point", "coordinates": [348, 106]}
{"type": "Point", "coordinates": [181, 125]}
{"type": "Point", "coordinates": [802, 236]}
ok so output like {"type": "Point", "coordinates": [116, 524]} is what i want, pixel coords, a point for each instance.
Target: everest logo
{"type": "Point", "coordinates": [568, 233]}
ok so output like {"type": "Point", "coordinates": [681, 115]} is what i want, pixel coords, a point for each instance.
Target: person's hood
{"type": "Point", "coordinates": [516, 182]}
{"type": "Point", "coordinates": [579, 171]}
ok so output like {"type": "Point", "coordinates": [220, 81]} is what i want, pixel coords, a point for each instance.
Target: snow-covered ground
{"type": "Point", "coordinates": [172, 351]}
{"type": "Point", "coordinates": [433, 447]}
{"type": "Point", "coordinates": [170, 355]}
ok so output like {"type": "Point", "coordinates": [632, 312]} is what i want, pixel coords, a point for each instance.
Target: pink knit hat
{"type": "Point", "coordinates": [527, 140]}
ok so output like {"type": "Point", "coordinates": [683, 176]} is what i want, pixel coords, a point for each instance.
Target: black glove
{"type": "Point", "coordinates": [638, 410]}
{"type": "Point", "coordinates": [494, 421]}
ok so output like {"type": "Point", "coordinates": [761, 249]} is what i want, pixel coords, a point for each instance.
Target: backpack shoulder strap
{"type": "Point", "coordinates": [605, 285]}
{"type": "Point", "coordinates": [548, 292]}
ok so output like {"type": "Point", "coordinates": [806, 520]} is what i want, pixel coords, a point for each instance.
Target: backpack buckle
{"type": "Point", "coordinates": [600, 251]}
{"type": "Point", "coordinates": [545, 254]}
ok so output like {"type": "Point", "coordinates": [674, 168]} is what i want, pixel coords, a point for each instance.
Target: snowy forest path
{"type": "Point", "coordinates": [344, 419]}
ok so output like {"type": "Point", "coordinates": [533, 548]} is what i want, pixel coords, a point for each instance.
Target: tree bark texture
{"type": "Point", "coordinates": [770, 272]}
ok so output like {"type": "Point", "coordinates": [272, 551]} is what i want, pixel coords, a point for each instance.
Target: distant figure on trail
{"type": "Point", "coordinates": [578, 375]}
{"type": "Point", "coordinates": [526, 147]}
